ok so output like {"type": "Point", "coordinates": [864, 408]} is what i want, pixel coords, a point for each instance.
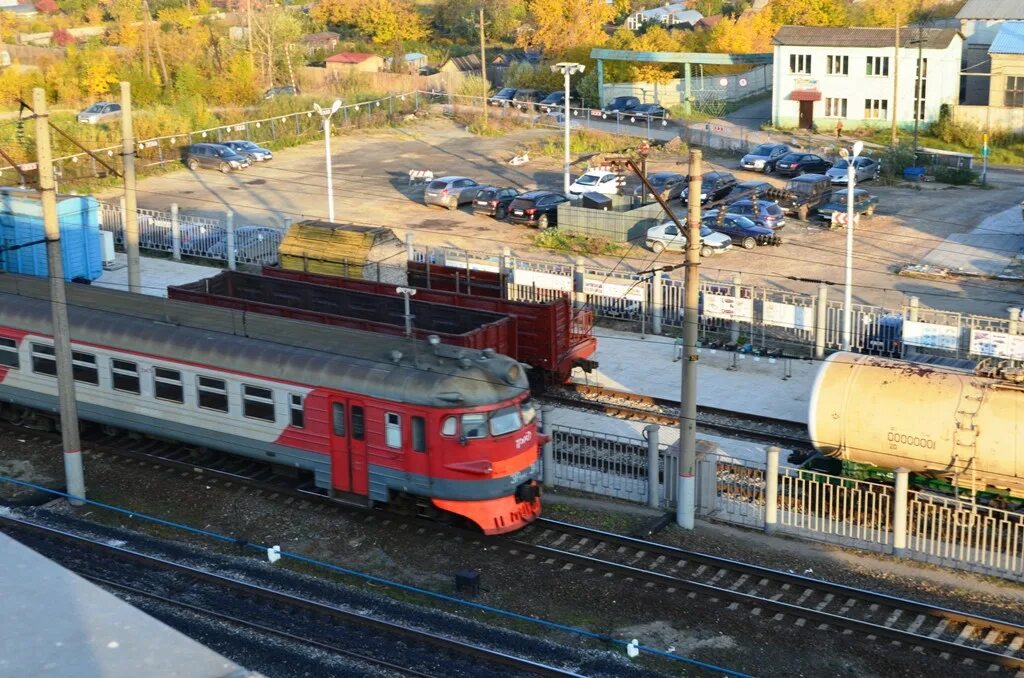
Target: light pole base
{"type": "Point", "coordinates": [685, 504]}
{"type": "Point", "coordinates": [74, 477]}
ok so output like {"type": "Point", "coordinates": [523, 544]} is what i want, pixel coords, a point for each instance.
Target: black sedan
{"type": "Point", "coordinates": [795, 164]}
{"type": "Point", "coordinates": [536, 208]}
{"type": "Point", "coordinates": [645, 112]}
{"type": "Point", "coordinates": [669, 185]}
{"type": "Point", "coordinates": [742, 230]}
{"type": "Point", "coordinates": [494, 201]}
{"type": "Point", "coordinates": [503, 97]}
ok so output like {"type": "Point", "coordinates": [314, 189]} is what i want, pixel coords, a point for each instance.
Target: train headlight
{"type": "Point", "coordinates": [512, 376]}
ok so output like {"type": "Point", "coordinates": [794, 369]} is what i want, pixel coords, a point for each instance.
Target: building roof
{"type": "Point", "coordinates": [323, 36]}
{"type": "Point", "coordinates": [470, 62]}
{"type": "Point", "coordinates": [992, 9]}
{"type": "Point", "coordinates": [836, 36]}
{"type": "Point", "coordinates": [710, 21]}
{"type": "Point", "coordinates": [349, 58]}
{"type": "Point", "coordinates": [1009, 39]}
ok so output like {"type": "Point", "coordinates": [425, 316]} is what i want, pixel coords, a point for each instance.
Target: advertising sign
{"type": "Point", "coordinates": [997, 344]}
{"type": "Point", "coordinates": [618, 290]}
{"type": "Point", "coordinates": [788, 315]}
{"type": "Point", "coordinates": [731, 308]}
{"type": "Point", "coordinates": [930, 335]}
{"type": "Point", "coordinates": [544, 281]}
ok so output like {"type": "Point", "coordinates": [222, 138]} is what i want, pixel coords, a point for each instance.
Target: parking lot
{"type": "Point", "coordinates": [371, 171]}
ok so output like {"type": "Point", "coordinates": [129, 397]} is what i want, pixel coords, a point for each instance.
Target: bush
{"type": "Point", "coordinates": [957, 176]}
{"type": "Point", "coordinates": [952, 132]}
{"type": "Point", "coordinates": [897, 158]}
{"type": "Point", "coordinates": [583, 142]}
{"type": "Point", "coordinates": [470, 86]}
{"type": "Point", "coordinates": [554, 239]}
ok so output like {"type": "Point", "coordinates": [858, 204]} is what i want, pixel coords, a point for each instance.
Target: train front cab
{"type": "Point", "coordinates": [486, 466]}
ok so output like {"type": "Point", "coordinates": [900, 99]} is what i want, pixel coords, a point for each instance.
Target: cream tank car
{"type": "Point", "coordinates": [930, 420]}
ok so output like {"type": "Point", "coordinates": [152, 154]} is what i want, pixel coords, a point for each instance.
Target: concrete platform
{"type": "Point", "coordinates": [67, 626]}
{"type": "Point", "coordinates": [155, 273]}
{"type": "Point", "coordinates": [988, 250]}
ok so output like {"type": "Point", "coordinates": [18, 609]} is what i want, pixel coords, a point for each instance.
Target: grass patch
{"type": "Point", "coordinates": [1012, 154]}
{"type": "Point", "coordinates": [553, 239]}
{"type": "Point", "coordinates": [582, 142]}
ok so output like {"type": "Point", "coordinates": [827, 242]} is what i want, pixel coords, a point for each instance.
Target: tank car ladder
{"type": "Point", "coordinates": [965, 437]}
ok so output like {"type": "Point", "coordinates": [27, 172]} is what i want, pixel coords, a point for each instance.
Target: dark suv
{"type": "Point", "coordinates": [620, 105]}
{"type": "Point", "coordinates": [713, 186]}
{"type": "Point", "coordinates": [805, 194]}
{"type": "Point", "coordinates": [527, 99]}
{"type": "Point", "coordinates": [494, 201]}
{"type": "Point", "coordinates": [503, 97]}
{"type": "Point", "coordinates": [536, 208]}
{"type": "Point", "coordinates": [215, 156]}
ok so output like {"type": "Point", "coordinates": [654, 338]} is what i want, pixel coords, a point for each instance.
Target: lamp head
{"type": "Point", "coordinates": [335, 106]}
{"type": "Point", "coordinates": [857, 148]}
{"type": "Point", "coordinates": [316, 107]}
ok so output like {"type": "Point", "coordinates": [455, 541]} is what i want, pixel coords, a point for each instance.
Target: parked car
{"type": "Point", "coordinates": [255, 244]}
{"type": "Point", "coordinates": [253, 152]}
{"type": "Point", "coordinates": [713, 186]}
{"type": "Point", "coordinates": [214, 156]}
{"type": "Point", "coordinates": [620, 105]}
{"type": "Point", "coordinates": [155, 233]}
{"type": "Point", "coordinates": [645, 112]}
{"type": "Point", "coordinates": [528, 99]}
{"type": "Point", "coordinates": [863, 203]}
{"type": "Point", "coordinates": [884, 336]}
{"type": "Point", "coordinates": [765, 213]}
{"type": "Point", "coordinates": [669, 185]}
{"type": "Point", "coordinates": [666, 236]}
{"type": "Point", "coordinates": [556, 119]}
{"type": "Point", "coordinates": [450, 192]}
{"type": "Point", "coordinates": [536, 208]}
{"type": "Point", "coordinates": [282, 91]}
{"type": "Point", "coordinates": [763, 158]}
{"type": "Point", "coordinates": [803, 195]}
{"type": "Point", "coordinates": [494, 201]}
{"type": "Point", "coordinates": [556, 100]}
{"type": "Point", "coordinates": [503, 97]}
{"type": "Point", "coordinates": [595, 181]}
{"type": "Point", "coordinates": [865, 169]}
{"type": "Point", "coordinates": [742, 230]}
{"type": "Point", "coordinates": [795, 164]}
{"type": "Point", "coordinates": [747, 189]}
{"type": "Point", "coordinates": [103, 111]}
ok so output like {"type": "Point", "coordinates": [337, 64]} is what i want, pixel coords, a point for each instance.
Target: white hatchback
{"type": "Point", "coordinates": [595, 181]}
{"type": "Point", "coordinates": [666, 236]}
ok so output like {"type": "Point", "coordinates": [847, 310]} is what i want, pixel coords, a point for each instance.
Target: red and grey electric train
{"type": "Point", "coordinates": [374, 418]}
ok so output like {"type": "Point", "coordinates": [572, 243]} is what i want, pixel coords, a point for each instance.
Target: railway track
{"type": "Point", "coordinates": [359, 637]}
{"type": "Point", "coordinates": [665, 412]}
{"type": "Point", "coordinates": [972, 639]}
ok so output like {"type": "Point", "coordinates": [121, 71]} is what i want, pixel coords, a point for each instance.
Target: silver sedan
{"type": "Point", "coordinates": [866, 168]}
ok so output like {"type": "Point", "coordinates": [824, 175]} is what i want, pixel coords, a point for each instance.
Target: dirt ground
{"type": "Point", "coordinates": [371, 187]}
{"type": "Point", "coordinates": [695, 627]}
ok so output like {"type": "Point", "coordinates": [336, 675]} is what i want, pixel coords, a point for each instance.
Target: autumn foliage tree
{"type": "Point", "coordinates": [385, 22]}
{"type": "Point", "coordinates": [558, 25]}
{"type": "Point", "coordinates": [808, 12]}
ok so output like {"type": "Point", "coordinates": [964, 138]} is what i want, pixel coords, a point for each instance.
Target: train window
{"type": "Point", "coordinates": [505, 420]}
{"type": "Point", "coordinates": [297, 410]}
{"type": "Point", "coordinates": [358, 423]}
{"type": "Point", "coordinates": [393, 430]}
{"type": "Point", "coordinates": [474, 426]}
{"type": "Point", "coordinates": [125, 376]}
{"type": "Point", "coordinates": [212, 393]}
{"type": "Point", "coordinates": [450, 426]}
{"type": "Point", "coordinates": [258, 402]}
{"type": "Point", "coordinates": [529, 411]}
{"type": "Point", "coordinates": [8, 352]}
{"type": "Point", "coordinates": [43, 361]}
{"type": "Point", "coordinates": [167, 385]}
{"type": "Point", "coordinates": [419, 434]}
{"type": "Point", "coordinates": [338, 417]}
{"type": "Point", "coordinates": [83, 366]}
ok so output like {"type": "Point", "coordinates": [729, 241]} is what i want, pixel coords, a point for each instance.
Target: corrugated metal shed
{"type": "Point", "coordinates": [330, 248]}
{"type": "Point", "coordinates": [1009, 39]}
{"type": "Point", "coordinates": [21, 225]}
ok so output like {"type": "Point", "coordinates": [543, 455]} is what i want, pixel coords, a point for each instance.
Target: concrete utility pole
{"type": "Point", "coordinates": [73, 474]}
{"type": "Point", "coordinates": [483, 67]}
{"type": "Point", "coordinates": [917, 86]}
{"type": "Point", "coordinates": [131, 205]}
{"type": "Point", "coordinates": [688, 392]}
{"type": "Point", "coordinates": [896, 83]}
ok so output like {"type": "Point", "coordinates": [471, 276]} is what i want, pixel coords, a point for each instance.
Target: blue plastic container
{"type": "Point", "coordinates": [21, 222]}
{"type": "Point", "coordinates": [913, 173]}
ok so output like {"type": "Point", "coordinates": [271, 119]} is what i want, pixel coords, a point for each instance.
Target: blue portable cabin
{"type": "Point", "coordinates": [21, 223]}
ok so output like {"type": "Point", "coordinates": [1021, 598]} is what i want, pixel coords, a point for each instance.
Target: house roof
{"type": "Point", "coordinates": [470, 62]}
{"type": "Point", "coordinates": [323, 36]}
{"type": "Point", "coordinates": [711, 21]}
{"type": "Point", "coordinates": [992, 9]}
{"type": "Point", "coordinates": [1009, 39]}
{"type": "Point", "coordinates": [836, 36]}
{"type": "Point", "coordinates": [415, 56]}
{"type": "Point", "coordinates": [349, 58]}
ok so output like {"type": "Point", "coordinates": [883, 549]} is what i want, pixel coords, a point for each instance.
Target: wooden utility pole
{"type": "Point", "coordinates": [483, 66]}
{"type": "Point", "coordinates": [73, 474]}
{"type": "Point", "coordinates": [688, 393]}
{"type": "Point", "coordinates": [131, 205]}
{"type": "Point", "coordinates": [896, 83]}
{"type": "Point", "coordinates": [164, 74]}
{"type": "Point", "coordinates": [248, 31]}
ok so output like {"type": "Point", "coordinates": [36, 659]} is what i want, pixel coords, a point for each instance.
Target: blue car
{"type": "Point", "coordinates": [742, 230]}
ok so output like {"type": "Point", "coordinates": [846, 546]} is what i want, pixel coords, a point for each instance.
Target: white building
{"type": "Point", "coordinates": [668, 15]}
{"type": "Point", "coordinates": [824, 74]}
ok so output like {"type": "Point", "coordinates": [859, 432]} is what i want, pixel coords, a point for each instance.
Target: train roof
{"type": "Point", "coordinates": [375, 365]}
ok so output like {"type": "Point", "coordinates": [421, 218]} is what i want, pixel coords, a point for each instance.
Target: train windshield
{"type": "Point", "coordinates": [528, 410]}
{"type": "Point", "coordinates": [505, 420]}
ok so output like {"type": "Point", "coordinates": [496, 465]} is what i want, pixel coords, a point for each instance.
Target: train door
{"type": "Point", "coordinates": [348, 445]}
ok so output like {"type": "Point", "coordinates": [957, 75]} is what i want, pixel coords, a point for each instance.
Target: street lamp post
{"type": "Point", "coordinates": [325, 114]}
{"type": "Point", "coordinates": [567, 69]}
{"type": "Point", "coordinates": [851, 172]}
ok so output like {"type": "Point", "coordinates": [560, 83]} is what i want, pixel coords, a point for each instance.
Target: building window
{"type": "Point", "coordinates": [1014, 91]}
{"type": "Point", "coordinates": [837, 65]}
{"type": "Point", "coordinates": [800, 63]}
{"type": "Point", "coordinates": [125, 376]}
{"type": "Point", "coordinates": [298, 411]}
{"type": "Point", "coordinates": [8, 352]}
{"type": "Point", "coordinates": [393, 430]}
{"type": "Point", "coordinates": [876, 109]}
{"type": "Point", "coordinates": [878, 66]}
{"type": "Point", "coordinates": [257, 402]}
{"type": "Point", "coordinates": [419, 434]}
{"type": "Point", "coordinates": [835, 108]}
{"type": "Point", "coordinates": [83, 367]}
{"type": "Point", "coordinates": [213, 394]}
{"type": "Point", "coordinates": [167, 385]}
{"type": "Point", "coordinates": [43, 361]}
